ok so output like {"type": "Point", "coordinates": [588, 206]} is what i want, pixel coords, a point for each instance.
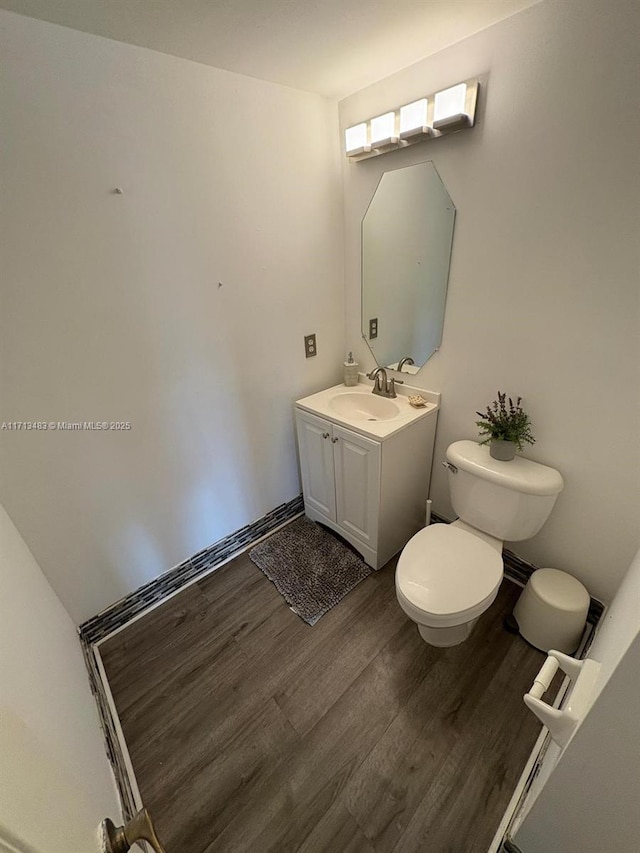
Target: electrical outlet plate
{"type": "Point", "coordinates": [373, 328]}
{"type": "Point", "coordinates": [310, 348]}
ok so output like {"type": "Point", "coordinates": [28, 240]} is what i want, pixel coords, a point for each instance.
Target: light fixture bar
{"type": "Point", "coordinates": [432, 116]}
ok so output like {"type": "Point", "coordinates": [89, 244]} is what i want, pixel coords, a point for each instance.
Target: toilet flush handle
{"type": "Point", "coordinates": [450, 467]}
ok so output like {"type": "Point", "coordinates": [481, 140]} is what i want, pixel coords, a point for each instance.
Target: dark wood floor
{"type": "Point", "coordinates": [251, 731]}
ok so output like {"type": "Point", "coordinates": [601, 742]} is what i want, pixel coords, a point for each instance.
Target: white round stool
{"type": "Point", "coordinates": [552, 610]}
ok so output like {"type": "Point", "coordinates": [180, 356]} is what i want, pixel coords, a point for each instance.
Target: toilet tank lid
{"type": "Point", "coordinates": [519, 475]}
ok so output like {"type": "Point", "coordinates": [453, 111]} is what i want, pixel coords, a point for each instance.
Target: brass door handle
{"type": "Point", "coordinates": [118, 839]}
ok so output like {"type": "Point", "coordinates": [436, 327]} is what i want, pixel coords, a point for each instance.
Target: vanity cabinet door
{"type": "Point", "coordinates": [357, 477]}
{"type": "Point", "coordinates": [316, 463]}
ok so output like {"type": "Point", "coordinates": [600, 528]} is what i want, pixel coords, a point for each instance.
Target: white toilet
{"type": "Point", "coordinates": [449, 574]}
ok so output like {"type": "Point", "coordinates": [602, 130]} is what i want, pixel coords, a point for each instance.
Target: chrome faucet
{"type": "Point", "coordinates": [382, 386]}
{"type": "Point", "coordinates": [406, 360]}
{"type": "Point", "coordinates": [379, 376]}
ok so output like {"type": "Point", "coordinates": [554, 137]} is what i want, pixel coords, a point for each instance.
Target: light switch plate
{"type": "Point", "coordinates": [310, 348]}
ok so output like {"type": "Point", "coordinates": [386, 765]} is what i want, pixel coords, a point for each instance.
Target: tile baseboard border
{"type": "Point", "coordinates": [115, 746]}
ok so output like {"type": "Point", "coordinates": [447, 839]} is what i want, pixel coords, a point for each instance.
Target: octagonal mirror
{"type": "Point", "coordinates": [407, 233]}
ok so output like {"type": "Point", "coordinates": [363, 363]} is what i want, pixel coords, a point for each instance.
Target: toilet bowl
{"type": "Point", "coordinates": [447, 576]}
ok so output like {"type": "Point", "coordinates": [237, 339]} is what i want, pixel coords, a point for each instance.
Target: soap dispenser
{"type": "Point", "coordinates": [350, 371]}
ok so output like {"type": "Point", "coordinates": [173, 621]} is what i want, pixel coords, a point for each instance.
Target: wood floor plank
{"type": "Point", "coordinates": [336, 831]}
{"type": "Point", "coordinates": [249, 730]}
{"type": "Point", "coordinates": [223, 768]}
{"type": "Point", "coordinates": [146, 650]}
{"type": "Point", "coordinates": [290, 801]}
{"type": "Point", "coordinates": [284, 629]}
{"type": "Point", "coordinates": [228, 579]}
{"type": "Point", "coordinates": [315, 686]}
{"type": "Point", "coordinates": [470, 790]}
{"type": "Point", "coordinates": [238, 607]}
{"type": "Point", "coordinates": [389, 785]}
{"type": "Point", "coordinates": [473, 785]}
{"type": "Point", "coordinates": [283, 650]}
{"type": "Point", "coordinates": [191, 704]}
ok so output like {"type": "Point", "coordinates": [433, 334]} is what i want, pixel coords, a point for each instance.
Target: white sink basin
{"type": "Point", "coordinates": [363, 407]}
{"type": "Point", "coordinates": [359, 410]}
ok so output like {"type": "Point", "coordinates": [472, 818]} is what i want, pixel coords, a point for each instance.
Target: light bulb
{"type": "Point", "coordinates": [356, 137]}
{"type": "Point", "coordinates": [383, 128]}
{"type": "Point", "coordinates": [450, 102]}
{"type": "Point", "coordinates": [413, 116]}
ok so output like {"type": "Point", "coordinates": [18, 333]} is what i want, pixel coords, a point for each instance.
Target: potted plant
{"type": "Point", "coordinates": [506, 428]}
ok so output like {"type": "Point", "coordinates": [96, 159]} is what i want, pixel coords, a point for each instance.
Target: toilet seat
{"type": "Point", "coordinates": [447, 576]}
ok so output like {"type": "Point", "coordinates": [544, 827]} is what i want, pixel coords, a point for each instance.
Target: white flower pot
{"type": "Point", "coordinates": [503, 450]}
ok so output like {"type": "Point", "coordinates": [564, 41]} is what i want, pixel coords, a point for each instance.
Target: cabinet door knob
{"type": "Point", "coordinates": [325, 435]}
{"type": "Point", "coordinates": [333, 440]}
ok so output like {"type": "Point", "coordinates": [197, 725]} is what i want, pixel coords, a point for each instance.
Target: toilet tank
{"type": "Point", "coordinates": [509, 500]}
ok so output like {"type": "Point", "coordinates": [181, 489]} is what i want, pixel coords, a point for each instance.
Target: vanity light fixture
{"type": "Point", "coordinates": [434, 115]}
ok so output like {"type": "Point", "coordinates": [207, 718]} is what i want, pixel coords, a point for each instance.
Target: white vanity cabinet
{"type": "Point", "coordinates": [371, 490]}
{"type": "Point", "coordinates": [340, 477]}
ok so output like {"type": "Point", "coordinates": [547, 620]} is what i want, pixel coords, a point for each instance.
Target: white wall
{"type": "Point", "coordinates": [543, 288]}
{"type": "Point", "coordinates": [55, 784]}
{"type": "Point", "coordinates": [112, 309]}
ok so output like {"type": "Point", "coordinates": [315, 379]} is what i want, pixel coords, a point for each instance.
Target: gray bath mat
{"type": "Point", "coordinates": [311, 569]}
